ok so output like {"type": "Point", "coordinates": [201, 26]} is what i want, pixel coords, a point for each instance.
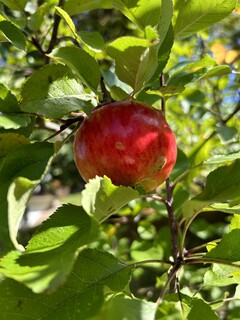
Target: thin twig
{"type": "Point", "coordinates": [56, 23]}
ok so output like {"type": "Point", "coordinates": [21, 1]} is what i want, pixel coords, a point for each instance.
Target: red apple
{"type": "Point", "coordinates": [128, 141]}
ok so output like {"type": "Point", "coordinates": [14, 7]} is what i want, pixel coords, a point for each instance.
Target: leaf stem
{"type": "Point", "coordinates": [192, 260]}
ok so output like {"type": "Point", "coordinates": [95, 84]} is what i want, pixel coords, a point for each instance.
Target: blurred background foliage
{"type": "Point", "coordinates": [196, 114]}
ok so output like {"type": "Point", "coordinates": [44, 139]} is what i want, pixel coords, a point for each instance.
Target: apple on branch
{"type": "Point", "coordinates": [128, 141]}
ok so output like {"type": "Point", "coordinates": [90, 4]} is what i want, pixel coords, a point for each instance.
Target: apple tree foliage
{"type": "Point", "coordinates": [113, 252]}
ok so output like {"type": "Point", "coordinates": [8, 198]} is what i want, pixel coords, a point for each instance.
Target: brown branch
{"type": "Point", "coordinates": [56, 23]}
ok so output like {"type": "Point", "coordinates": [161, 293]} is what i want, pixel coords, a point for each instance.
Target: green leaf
{"type": "Point", "coordinates": [71, 301]}
{"type": "Point", "coordinates": [93, 40]}
{"type": "Point", "coordinates": [18, 5]}
{"type": "Point", "coordinates": [201, 310]}
{"type": "Point", "coordinates": [193, 308]}
{"type": "Point", "coordinates": [225, 207]}
{"type": "Point", "coordinates": [80, 297]}
{"type": "Point", "coordinates": [118, 89]}
{"type": "Point", "coordinates": [218, 159]}
{"type": "Point", "coordinates": [105, 270]}
{"type": "Point", "coordinates": [74, 7]}
{"type": "Point", "coordinates": [222, 186]}
{"type": "Point", "coordinates": [226, 133]}
{"type": "Point", "coordinates": [102, 199]}
{"type": "Point", "coordinates": [8, 102]}
{"type": "Point", "coordinates": [181, 165]}
{"type": "Point", "coordinates": [13, 34]}
{"type": "Point", "coordinates": [36, 19]}
{"type": "Point", "coordinates": [146, 250]}
{"type": "Point", "coordinates": [9, 142]}
{"type": "Point", "coordinates": [28, 161]}
{"type": "Point", "coordinates": [85, 66]}
{"type": "Point", "coordinates": [62, 13]}
{"type": "Point", "coordinates": [51, 252]}
{"type": "Point", "coordinates": [53, 92]}
{"type": "Point", "coordinates": [187, 72]}
{"type": "Point", "coordinates": [155, 13]}
{"type": "Point", "coordinates": [217, 71]}
{"type": "Point", "coordinates": [14, 121]}
{"type": "Point", "coordinates": [121, 307]}
{"type": "Point", "coordinates": [18, 194]}
{"type": "Point", "coordinates": [135, 61]}
{"type": "Point", "coordinates": [221, 276]}
{"type": "Point", "coordinates": [228, 247]}
{"type": "Point", "coordinates": [164, 51]}
{"type": "Point", "coordinates": [196, 15]}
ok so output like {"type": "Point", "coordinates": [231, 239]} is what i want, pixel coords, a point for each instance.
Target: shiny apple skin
{"type": "Point", "coordinates": [128, 141]}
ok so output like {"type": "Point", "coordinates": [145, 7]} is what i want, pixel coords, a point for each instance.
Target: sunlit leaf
{"type": "Point", "coordinates": [13, 34]}
{"type": "Point", "coordinates": [196, 15]}
{"type": "Point", "coordinates": [102, 199]}
{"type": "Point", "coordinates": [228, 247]}
{"type": "Point", "coordinates": [135, 61]}
{"type": "Point", "coordinates": [155, 13]}
{"type": "Point", "coordinates": [67, 19]}
{"type": "Point", "coordinates": [81, 62]}
{"type": "Point", "coordinates": [54, 92]}
{"type": "Point", "coordinates": [216, 72]}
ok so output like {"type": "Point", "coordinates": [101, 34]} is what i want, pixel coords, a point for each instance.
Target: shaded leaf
{"type": "Point", "coordinates": [226, 133]}
{"type": "Point", "coordinates": [74, 7]}
{"type": "Point", "coordinates": [13, 34]}
{"type": "Point", "coordinates": [78, 298]}
{"type": "Point", "coordinates": [14, 121]}
{"type": "Point", "coordinates": [28, 161]}
{"type": "Point", "coordinates": [93, 40]}
{"type": "Point", "coordinates": [8, 102]}
{"type": "Point", "coordinates": [10, 141]}
{"type": "Point", "coordinates": [102, 199]}
{"type": "Point", "coordinates": [118, 89]}
{"type": "Point", "coordinates": [18, 5]}
{"type": "Point", "coordinates": [36, 19]}
{"type": "Point", "coordinates": [71, 301]}
{"type": "Point", "coordinates": [105, 270]}
{"type": "Point", "coordinates": [123, 307]}
{"type": "Point", "coordinates": [222, 186]}
{"type": "Point", "coordinates": [85, 66]}
{"type": "Point", "coordinates": [51, 252]}
{"type": "Point", "coordinates": [18, 194]}
{"type": "Point", "coordinates": [53, 92]}
{"type": "Point", "coordinates": [196, 15]}
{"type": "Point", "coordinates": [201, 310]}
